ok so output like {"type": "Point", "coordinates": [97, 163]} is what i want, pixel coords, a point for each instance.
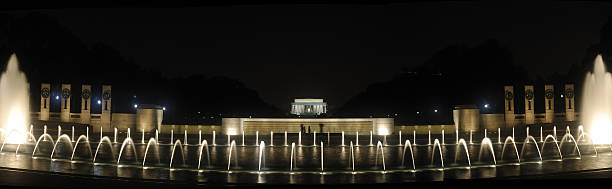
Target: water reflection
{"type": "Point", "coordinates": [276, 162]}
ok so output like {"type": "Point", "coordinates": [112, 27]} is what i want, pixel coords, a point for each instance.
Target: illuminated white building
{"type": "Point", "coordinates": [308, 107]}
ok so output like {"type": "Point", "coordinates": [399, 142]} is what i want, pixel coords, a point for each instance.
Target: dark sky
{"type": "Point", "coordinates": [334, 51]}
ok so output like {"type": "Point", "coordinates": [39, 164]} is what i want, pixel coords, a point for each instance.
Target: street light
{"type": "Point", "coordinates": [135, 105]}
{"type": "Point", "coordinates": [99, 102]}
{"type": "Point", "coordinates": [486, 105]}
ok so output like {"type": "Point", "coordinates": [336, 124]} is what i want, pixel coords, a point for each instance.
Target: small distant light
{"type": "Point", "coordinates": [134, 96]}
{"type": "Point", "coordinates": [164, 108]}
{"type": "Point", "coordinates": [135, 105]}
{"type": "Point", "coordinates": [561, 95]}
{"type": "Point", "coordinates": [418, 112]}
{"type": "Point", "coordinates": [99, 102]}
{"type": "Point", "coordinates": [395, 114]}
{"type": "Point", "coordinates": [56, 97]}
{"type": "Point", "coordinates": [486, 105]}
{"type": "Point", "coordinates": [436, 110]}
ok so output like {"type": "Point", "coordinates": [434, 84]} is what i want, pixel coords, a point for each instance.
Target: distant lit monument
{"type": "Point", "coordinates": [308, 107]}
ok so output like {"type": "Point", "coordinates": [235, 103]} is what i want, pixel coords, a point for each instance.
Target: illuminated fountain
{"type": "Point", "coordinates": [14, 103]}
{"type": "Point", "coordinates": [597, 103]}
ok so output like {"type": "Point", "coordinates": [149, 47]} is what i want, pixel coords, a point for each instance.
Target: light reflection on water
{"type": "Point", "coordinates": [276, 164]}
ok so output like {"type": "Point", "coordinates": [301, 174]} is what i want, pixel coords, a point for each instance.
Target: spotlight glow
{"type": "Point", "coordinates": [597, 103]}
{"type": "Point", "coordinates": [601, 129]}
{"type": "Point", "coordinates": [14, 103]}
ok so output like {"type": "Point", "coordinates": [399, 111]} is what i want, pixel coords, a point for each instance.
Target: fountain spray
{"type": "Point", "coordinates": [414, 137]}
{"type": "Point", "coordinates": [485, 133]}
{"type": "Point", "coordinates": [142, 138]}
{"type": "Point", "coordinates": [371, 138]}
{"type": "Point", "coordinates": [128, 133]}
{"type": "Point", "coordinates": [498, 135]}
{"type": "Point", "coordinates": [59, 131]}
{"type": "Point", "coordinates": [256, 138]}
{"type": "Point", "coordinates": [115, 136]}
{"type": "Point", "coordinates": [555, 132]}
{"type": "Point", "coordinates": [429, 137]}
{"type": "Point", "coordinates": [321, 156]}
{"type": "Point", "coordinates": [286, 138]}
{"type": "Point", "coordinates": [156, 136]}
{"type": "Point", "coordinates": [314, 139]}
{"type": "Point", "coordinates": [400, 137]}
{"type": "Point", "coordinates": [457, 135]}
{"type": "Point", "coordinates": [15, 102]}
{"type": "Point", "coordinates": [527, 131]}
{"type": "Point", "coordinates": [271, 138]}
{"type": "Point", "coordinates": [171, 136]}
{"type": "Point", "coordinates": [87, 132]}
{"type": "Point", "coordinates": [342, 138]}
{"type": "Point", "coordinates": [214, 138]}
{"type": "Point", "coordinates": [352, 157]}
{"type": "Point", "coordinates": [541, 135]}
{"type": "Point", "coordinates": [72, 134]}
{"type": "Point", "coordinates": [471, 137]}
{"type": "Point", "coordinates": [300, 138]}
{"type": "Point", "coordinates": [185, 137]}
{"type": "Point", "coordinates": [292, 155]}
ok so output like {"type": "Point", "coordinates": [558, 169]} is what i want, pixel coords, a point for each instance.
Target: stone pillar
{"type": "Point", "coordinates": [529, 105]}
{"type": "Point", "coordinates": [45, 95]}
{"type": "Point", "coordinates": [509, 106]}
{"type": "Point", "coordinates": [86, 104]}
{"type": "Point", "coordinates": [106, 108]}
{"type": "Point", "coordinates": [549, 102]}
{"type": "Point", "coordinates": [569, 103]}
{"type": "Point", "coordinates": [65, 103]}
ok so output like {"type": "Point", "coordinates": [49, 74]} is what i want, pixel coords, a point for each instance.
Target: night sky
{"type": "Point", "coordinates": [333, 51]}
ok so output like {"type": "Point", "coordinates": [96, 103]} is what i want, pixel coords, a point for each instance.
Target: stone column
{"type": "Point", "coordinates": [106, 107]}
{"type": "Point", "coordinates": [86, 104]}
{"type": "Point", "coordinates": [509, 106]}
{"type": "Point", "coordinates": [569, 103]}
{"type": "Point", "coordinates": [529, 105]}
{"type": "Point", "coordinates": [549, 102]}
{"type": "Point", "coordinates": [65, 103]}
{"type": "Point", "coordinates": [45, 95]}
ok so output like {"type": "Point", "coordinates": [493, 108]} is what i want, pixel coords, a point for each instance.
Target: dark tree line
{"type": "Point", "coordinates": [462, 75]}
{"type": "Point", "coordinates": [50, 53]}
